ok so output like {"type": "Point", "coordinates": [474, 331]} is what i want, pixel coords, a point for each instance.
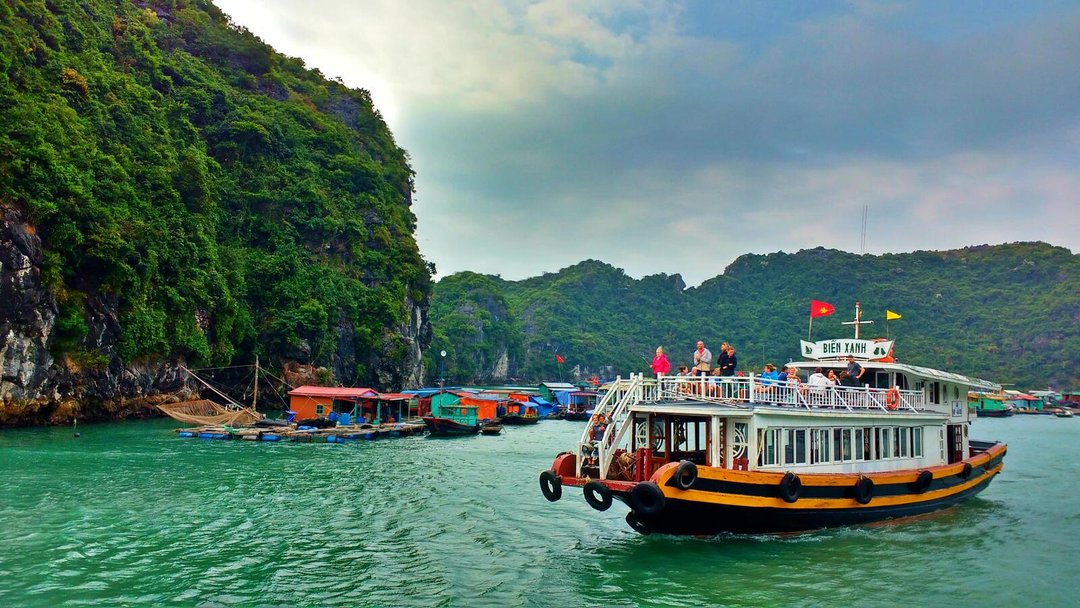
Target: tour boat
{"type": "Point", "coordinates": [691, 455]}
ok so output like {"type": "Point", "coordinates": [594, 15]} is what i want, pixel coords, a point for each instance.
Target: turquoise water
{"type": "Point", "coordinates": [128, 514]}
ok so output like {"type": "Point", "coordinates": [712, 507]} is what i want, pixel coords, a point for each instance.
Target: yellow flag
{"type": "Point", "coordinates": [890, 315]}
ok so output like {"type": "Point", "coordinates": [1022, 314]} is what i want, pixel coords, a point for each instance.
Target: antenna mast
{"type": "Point", "coordinates": [857, 322]}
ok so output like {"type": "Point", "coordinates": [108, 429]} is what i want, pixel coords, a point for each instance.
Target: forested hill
{"type": "Point", "coordinates": [1007, 313]}
{"type": "Point", "coordinates": [172, 189]}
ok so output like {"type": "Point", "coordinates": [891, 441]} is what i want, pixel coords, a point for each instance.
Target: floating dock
{"type": "Point", "coordinates": [340, 434]}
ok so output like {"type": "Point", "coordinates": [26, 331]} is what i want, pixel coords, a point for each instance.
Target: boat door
{"type": "Point", "coordinates": [956, 442]}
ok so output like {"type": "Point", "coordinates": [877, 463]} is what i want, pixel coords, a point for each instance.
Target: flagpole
{"type": "Point", "coordinates": [810, 331]}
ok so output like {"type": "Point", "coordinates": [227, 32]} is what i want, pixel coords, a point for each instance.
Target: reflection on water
{"type": "Point", "coordinates": [130, 514]}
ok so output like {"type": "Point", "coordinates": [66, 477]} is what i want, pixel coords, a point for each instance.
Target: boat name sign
{"type": "Point", "coordinates": [832, 349]}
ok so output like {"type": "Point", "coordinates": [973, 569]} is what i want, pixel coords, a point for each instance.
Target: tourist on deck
{"type": "Point", "coordinates": [702, 360]}
{"type": "Point", "coordinates": [730, 362]}
{"type": "Point", "coordinates": [832, 378]}
{"type": "Point", "coordinates": [721, 359]}
{"type": "Point", "coordinates": [855, 370]}
{"type": "Point", "coordinates": [818, 378]}
{"type": "Point", "coordinates": [769, 379]}
{"type": "Point", "coordinates": [660, 364]}
{"type": "Point", "coordinates": [847, 380]}
{"type": "Point", "coordinates": [684, 386]}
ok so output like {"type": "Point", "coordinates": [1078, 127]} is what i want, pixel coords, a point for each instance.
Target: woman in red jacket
{"type": "Point", "coordinates": [660, 365]}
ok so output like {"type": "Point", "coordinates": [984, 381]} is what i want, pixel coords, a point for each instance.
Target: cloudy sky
{"type": "Point", "coordinates": [675, 136]}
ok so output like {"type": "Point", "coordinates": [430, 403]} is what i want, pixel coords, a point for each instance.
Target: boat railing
{"type": "Point", "coordinates": [752, 389]}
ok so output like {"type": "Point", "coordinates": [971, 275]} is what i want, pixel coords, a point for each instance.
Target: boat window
{"type": "Point", "coordinates": [658, 431]}
{"type": "Point", "coordinates": [641, 432]}
{"type": "Point", "coordinates": [881, 379]}
{"type": "Point", "coordinates": [885, 443]}
{"type": "Point", "coordinates": [859, 438]}
{"type": "Point", "coordinates": [789, 446]}
{"type": "Point", "coordinates": [819, 445]}
{"type": "Point", "coordinates": [916, 442]}
{"type": "Point", "coordinates": [768, 442]}
{"type": "Point", "coordinates": [901, 382]}
{"type": "Point", "coordinates": [800, 446]}
{"type": "Point", "coordinates": [739, 442]}
{"type": "Point", "coordinates": [955, 392]}
{"type": "Point", "coordinates": [902, 442]}
{"type": "Point", "coordinates": [847, 444]}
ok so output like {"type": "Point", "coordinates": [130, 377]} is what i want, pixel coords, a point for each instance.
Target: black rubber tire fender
{"type": "Point", "coordinates": [864, 490]}
{"type": "Point", "coordinates": [597, 495]}
{"type": "Point", "coordinates": [647, 499]}
{"type": "Point", "coordinates": [922, 483]}
{"type": "Point", "coordinates": [550, 485]}
{"type": "Point", "coordinates": [965, 472]}
{"type": "Point", "coordinates": [790, 487]}
{"type": "Point", "coordinates": [638, 524]}
{"type": "Point", "coordinates": [685, 475]}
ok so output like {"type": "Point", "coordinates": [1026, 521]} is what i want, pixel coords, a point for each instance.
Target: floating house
{"type": "Point", "coordinates": [489, 406]}
{"type": "Point", "coordinates": [557, 392]}
{"type": "Point", "coordinates": [1022, 401]}
{"type": "Point", "coordinates": [319, 401]}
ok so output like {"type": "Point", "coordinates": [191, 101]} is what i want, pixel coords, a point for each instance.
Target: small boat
{"type": "Point", "coordinates": [491, 429]}
{"type": "Point", "coordinates": [769, 457]}
{"type": "Point", "coordinates": [1064, 413]}
{"type": "Point", "coordinates": [518, 413]}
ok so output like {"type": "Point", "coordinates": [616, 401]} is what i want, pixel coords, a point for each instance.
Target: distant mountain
{"type": "Point", "coordinates": [1007, 313]}
{"type": "Point", "coordinates": [173, 189]}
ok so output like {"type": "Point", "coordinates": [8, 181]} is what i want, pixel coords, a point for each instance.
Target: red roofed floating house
{"type": "Point", "coordinates": [318, 401]}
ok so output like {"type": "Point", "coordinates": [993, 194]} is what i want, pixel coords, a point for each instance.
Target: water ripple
{"type": "Point", "coordinates": [131, 515]}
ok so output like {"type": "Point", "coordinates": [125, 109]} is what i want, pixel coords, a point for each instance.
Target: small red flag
{"type": "Point", "coordinates": [559, 358]}
{"type": "Point", "coordinates": [821, 309]}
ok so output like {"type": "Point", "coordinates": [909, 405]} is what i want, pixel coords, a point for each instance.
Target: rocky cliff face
{"type": "Point", "coordinates": [35, 387]}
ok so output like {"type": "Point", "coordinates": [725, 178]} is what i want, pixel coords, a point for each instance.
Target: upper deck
{"type": "Point", "coordinates": [750, 392]}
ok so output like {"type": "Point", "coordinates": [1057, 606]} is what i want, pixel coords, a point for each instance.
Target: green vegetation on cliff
{"type": "Point", "coordinates": [1008, 313]}
{"type": "Point", "coordinates": [219, 197]}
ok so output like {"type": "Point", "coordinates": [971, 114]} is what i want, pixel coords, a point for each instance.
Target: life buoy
{"type": "Point", "coordinates": [638, 524]}
{"type": "Point", "coordinates": [892, 398]}
{"type": "Point", "coordinates": [647, 498]}
{"type": "Point", "coordinates": [790, 487]}
{"type": "Point", "coordinates": [922, 482]}
{"type": "Point", "coordinates": [550, 485]}
{"type": "Point", "coordinates": [685, 475]}
{"type": "Point", "coordinates": [864, 490]}
{"type": "Point", "coordinates": [966, 471]}
{"type": "Point", "coordinates": [597, 495]}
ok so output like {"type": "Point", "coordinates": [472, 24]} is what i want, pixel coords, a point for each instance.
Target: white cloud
{"type": "Point", "coordinates": [637, 133]}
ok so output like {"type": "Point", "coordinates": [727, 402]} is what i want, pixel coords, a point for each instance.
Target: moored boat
{"type": "Point", "coordinates": [518, 413]}
{"type": "Point", "coordinates": [453, 420]}
{"type": "Point", "coordinates": [751, 456]}
{"type": "Point", "coordinates": [1063, 413]}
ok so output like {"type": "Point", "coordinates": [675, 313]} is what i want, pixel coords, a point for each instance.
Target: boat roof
{"type": "Point", "coordinates": [558, 386]}
{"type": "Point", "coordinates": [916, 370]}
